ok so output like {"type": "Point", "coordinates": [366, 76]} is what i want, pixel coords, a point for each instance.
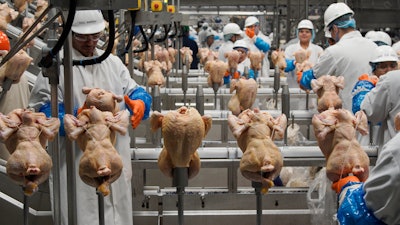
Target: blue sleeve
{"type": "Point", "coordinates": [306, 78]}
{"type": "Point", "coordinates": [141, 94]}
{"type": "Point", "coordinates": [353, 210]}
{"type": "Point", "coordinates": [227, 79]}
{"type": "Point", "coordinates": [261, 44]}
{"type": "Point", "coordinates": [290, 66]}
{"type": "Point", "coordinates": [253, 74]}
{"type": "Point", "coordinates": [46, 109]}
{"type": "Point", "coordinates": [359, 91]}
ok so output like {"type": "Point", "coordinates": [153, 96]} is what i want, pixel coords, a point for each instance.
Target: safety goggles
{"type": "Point", "coordinates": [87, 37]}
{"type": "Point", "coordinates": [384, 65]}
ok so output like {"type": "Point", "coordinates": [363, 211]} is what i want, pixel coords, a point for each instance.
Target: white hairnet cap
{"type": "Point", "coordinates": [384, 53]}
{"type": "Point", "coordinates": [240, 44]}
{"type": "Point", "coordinates": [88, 22]}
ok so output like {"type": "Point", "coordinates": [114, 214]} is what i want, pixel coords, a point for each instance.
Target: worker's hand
{"type": "Point", "coordinates": [250, 32]}
{"type": "Point", "coordinates": [137, 107]}
{"type": "Point", "coordinates": [363, 86]}
{"type": "Point", "coordinates": [373, 79]}
{"type": "Point", "coordinates": [84, 106]}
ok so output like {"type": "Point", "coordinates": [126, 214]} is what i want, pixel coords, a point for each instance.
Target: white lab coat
{"type": "Point", "coordinates": [242, 65]}
{"type": "Point", "coordinates": [315, 50]}
{"type": "Point", "coordinates": [111, 75]}
{"type": "Point", "coordinates": [382, 104]}
{"type": "Point", "coordinates": [350, 58]}
{"type": "Point", "coordinates": [381, 187]}
{"type": "Point", "coordinates": [227, 46]}
{"type": "Point", "coordinates": [253, 48]}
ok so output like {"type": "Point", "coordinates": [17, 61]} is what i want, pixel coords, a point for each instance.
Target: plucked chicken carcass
{"type": "Point", "coordinates": [186, 55]}
{"type": "Point", "coordinates": [246, 91]}
{"type": "Point", "coordinates": [15, 67]}
{"type": "Point", "coordinates": [103, 100]}
{"type": "Point", "coordinates": [206, 55]}
{"type": "Point", "coordinates": [154, 73]}
{"type": "Point", "coordinates": [278, 59]}
{"type": "Point", "coordinates": [94, 131]}
{"type": "Point", "coordinates": [255, 131]}
{"type": "Point", "coordinates": [41, 5]}
{"type": "Point", "coordinates": [25, 134]}
{"type": "Point", "coordinates": [172, 54]}
{"type": "Point", "coordinates": [21, 4]}
{"type": "Point", "coordinates": [327, 89]}
{"type": "Point", "coordinates": [7, 14]}
{"type": "Point", "coordinates": [233, 60]}
{"type": "Point", "coordinates": [256, 59]}
{"type": "Point", "coordinates": [163, 55]}
{"type": "Point", "coordinates": [216, 71]}
{"type": "Point", "coordinates": [302, 63]}
{"type": "Point", "coordinates": [346, 155]}
{"type": "Point", "coordinates": [183, 131]}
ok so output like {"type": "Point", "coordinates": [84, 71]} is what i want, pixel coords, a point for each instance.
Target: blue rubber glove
{"type": "Point", "coordinates": [290, 65]}
{"type": "Point", "coordinates": [306, 78]}
{"type": "Point", "coordinates": [227, 78]}
{"type": "Point", "coordinates": [141, 94]}
{"type": "Point", "coordinates": [359, 91]}
{"type": "Point", "coordinates": [253, 74]}
{"type": "Point", "coordinates": [352, 208]}
{"type": "Point", "coordinates": [46, 109]}
{"type": "Point", "coordinates": [261, 44]}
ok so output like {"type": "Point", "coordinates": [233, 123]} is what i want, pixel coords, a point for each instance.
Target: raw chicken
{"type": "Point", "coordinates": [397, 122]}
{"type": "Point", "coordinates": [327, 89]}
{"type": "Point", "coordinates": [25, 134]}
{"type": "Point", "coordinates": [154, 73]}
{"type": "Point", "coordinates": [216, 70]}
{"type": "Point", "coordinates": [347, 156]}
{"type": "Point", "coordinates": [101, 99]}
{"type": "Point", "coordinates": [302, 59]}
{"type": "Point", "coordinates": [15, 67]}
{"type": "Point", "coordinates": [21, 4]}
{"type": "Point", "coordinates": [7, 14]}
{"type": "Point", "coordinates": [255, 60]}
{"type": "Point", "coordinates": [206, 55]}
{"type": "Point", "coordinates": [233, 60]}
{"type": "Point", "coordinates": [172, 54]}
{"type": "Point", "coordinates": [163, 55]}
{"type": "Point", "coordinates": [278, 59]}
{"type": "Point", "coordinates": [183, 131]}
{"type": "Point", "coordinates": [255, 131]}
{"type": "Point", "coordinates": [186, 55]}
{"type": "Point", "coordinates": [246, 91]}
{"type": "Point", "coordinates": [94, 130]}
{"type": "Point", "coordinates": [41, 5]}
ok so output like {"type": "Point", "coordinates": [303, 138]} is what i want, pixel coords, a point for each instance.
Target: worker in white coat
{"type": "Point", "coordinates": [257, 41]}
{"type": "Point", "coordinates": [203, 35]}
{"type": "Point", "coordinates": [244, 61]}
{"type": "Point", "coordinates": [232, 33]}
{"type": "Point", "coordinates": [305, 33]}
{"type": "Point", "coordinates": [349, 57]}
{"type": "Point", "coordinates": [111, 75]}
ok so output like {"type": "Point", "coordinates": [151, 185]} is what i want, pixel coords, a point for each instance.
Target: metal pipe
{"type": "Point", "coordinates": [180, 181]}
{"type": "Point", "coordinates": [185, 71]}
{"type": "Point", "coordinates": [285, 106]}
{"type": "Point", "coordinates": [277, 81]}
{"type": "Point", "coordinates": [100, 199]}
{"type": "Point", "coordinates": [257, 189]}
{"type": "Point", "coordinates": [26, 209]}
{"type": "Point", "coordinates": [200, 99]}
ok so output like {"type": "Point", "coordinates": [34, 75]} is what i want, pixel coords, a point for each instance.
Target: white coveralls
{"type": "Point", "coordinates": [382, 104]}
{"type": "Point", "coordinates": [227, 46]}
{"type": "Point", "coordinates": [110, 75]}
{"type": "Point", "coordinates": [253, 48]}
{"type": "Point", "coordinates": [315, 50]}
{"type": "Point", "coordinates": [381, 188]}
{"type": "Point", "coordinates": [349, 58]}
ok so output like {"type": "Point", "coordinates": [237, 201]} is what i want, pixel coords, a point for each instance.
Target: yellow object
{"type": "Point", "coordinates": [171, 8]}
{"type": "Point", "coordinates": [138, 7]}
{"type": "Point", "coordinates": [156, 6]}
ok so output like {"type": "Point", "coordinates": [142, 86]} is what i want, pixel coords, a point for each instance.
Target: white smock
{"type": "Point", "coordinates": [349, 58]}
{"type": "Point", "coordinates": [242, 65]}
{"type": "Point", "coordinates": [253, 48]}
{"type": "Point", "coordinates": [227, 46]}
{"type": "Point", "coordinates": [110, 75]}
{"type": "Point", "coordinates": [382, 193]}
{"type": "Point", "coordinates": [382, 104]}
{"type": "Point", "coordinates": [315, 51]}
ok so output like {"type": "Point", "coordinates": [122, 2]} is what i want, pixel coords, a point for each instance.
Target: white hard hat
{"type": "Point", "coordinates": [384, 53]}
{"type": "Point", "coordinates": [240, 44]}
{"type": "Point", "coordinates": [205, 24]}
{"type": "Point", "coordinates": [370, 34]}
{"type": "Point", "coordinates": [307, 24]}
{"type": "Point", "coordinates": [383, 37]}
{"type": "Point", "coordinates": [88, 22]}
{"type": "Point", "coordinates": [396, 48]}
{"type": "Point", "coordinates": [334, 11]}
{"type": "Point", "coordinates": [210, 32]}
{"type": "Point", "coordinates": [251, 20]}
{"type": "Point", "coordinates": [232, 28]}
{"type": "Point", "coordinates": [328, 34]}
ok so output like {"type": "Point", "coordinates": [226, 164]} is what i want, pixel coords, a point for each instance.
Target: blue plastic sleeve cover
{"type": "Point", "coordinates": [261, 44]}
{"type": "Point", "coordinates": [290, 66]}
{"type": "Point", "coordinates": [141, 94]}
{"type": "Point", "coordinates": [359, 91]}
{"type": "Point", "coordinates": [305, 80]}
{"type": "Point", "coordinates": [46, 109]}
{"type": "Point", "coordinates": [353, 210]}
{"type": "Point", "coordinates": [227, 79]}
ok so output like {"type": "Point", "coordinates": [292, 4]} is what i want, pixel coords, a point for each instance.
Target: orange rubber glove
{"type": "Point", "coordinates": [299, 75]}
{"type": "Point", "coordinates": [137, 107]}
{"type": "Point", "coordinates": [338, 185]}
{"type": "Point", "coordinates": [236, 75]}
{"type": "Point", "coordinates": [250, 32]}
{"type": "Point", "coordinates": [372, 79]}
{"type": "Point", "coordinates": [82, 108]}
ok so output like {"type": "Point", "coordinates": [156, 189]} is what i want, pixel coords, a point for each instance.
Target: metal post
{"type": "Point", "coordinates": [26, 209]}
{"type": "Point", "coordinates": [285, 106]}
{"type": "Point", "coordinates": [100, 199]}
{"type": "Point", "coordinates": [185, 71]}
{"type": "Point", "coordinates": [257, 188]}
{"type": "Point", "coordinates": [277, 85]}
{"type": "Point", "coordinates": [155, 92]}
{"type": "Point", "coordinates": [200, 99]}
{"type": "Point", "coordinates": [215, 87]}
{"type": "Point", "coordinates": [180, 181]}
